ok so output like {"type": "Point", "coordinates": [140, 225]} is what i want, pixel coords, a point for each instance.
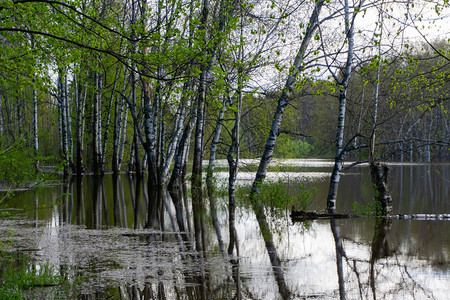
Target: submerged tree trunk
{"type": "Point", "coordinates": [233, 162]}
{"type": "Point", "coordinates": [380, 249]}
{"type": "Point", "coordinates": [296, 68]}
{"type": "Point", "coordinates": [343, 84]}
{"type": "Point", "coordinates": [209, 176]}
{"type": "Point", "coordinates": [196, 185]}
{"type": "Point", "coordinates": [379, 173]}
{"type": "Point", "coordinates": [340, 253]}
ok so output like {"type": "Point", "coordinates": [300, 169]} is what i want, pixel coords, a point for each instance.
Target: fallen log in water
{"type": "Point", "coordinates": [311, 215]}
{"type": "Point", "coordinates": [299, 215]}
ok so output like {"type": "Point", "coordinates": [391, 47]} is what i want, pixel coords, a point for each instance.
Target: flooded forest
{"type": "Point", "coordinates": [225, 149]}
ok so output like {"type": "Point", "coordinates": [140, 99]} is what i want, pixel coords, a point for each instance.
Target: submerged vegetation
{"type": "Point", "coordinates": [22, 277]}
{"type": "Point", "coordinates": [281, 196]}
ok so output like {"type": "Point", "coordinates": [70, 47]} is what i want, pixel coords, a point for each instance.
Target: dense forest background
{"type": "Point", "coordinates": [108, 85]}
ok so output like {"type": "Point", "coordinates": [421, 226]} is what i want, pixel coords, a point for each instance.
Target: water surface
{"type": "Point", "coordinates": [127, 243]}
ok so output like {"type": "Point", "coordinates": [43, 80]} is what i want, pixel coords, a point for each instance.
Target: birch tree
{"type": "Point", "coordinates": [283, 100]}
{"type": "Point", "coordinates": [342, 83]}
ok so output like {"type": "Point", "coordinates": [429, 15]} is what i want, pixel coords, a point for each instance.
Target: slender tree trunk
{"type": "Point", "coordinates": [182, 144]}
{"type": "Point", "coordinates": [360, 116]}
{"type": "Point", "coordinates": [131, 164]}
{"type": "Point", "coordinates": [108, 121]}
{"type": "Point", "coordinates": [340, 253]}
{"type": "Point", "coordinates": [296, 68]}
{"type": "Point", "coordinates": [196, 185]}
{"type": "Point", "coordinates": [343, 84]}
{"type": "Point", "coordinates": [116, 136]}
{"type": "Point", "coordinates": [99, 123]}
{"type": "Point", "coordinates": [181, 115]}
{"type": "Point", "coordinates": [225, 12]}
{"type": "Point", "coordinates": [80, 101]}
{"type": "Point", "coordinates": [19, 113]}
{"type": "Point", "coordinates": [182, 153]}
{"type": "Point", "coordinates": [95, 130]}
{"type": "Point", "coordinates": [379, 173]}
{"type": "Point", "coordinates": [119, 124]}
{"type": "Point", "coordinates": [380, 249]}
{"type": "Point", "coordinates": [233, 162]}
{"type": "Point", "coordinates": [2, 122]}
{"type": "Point", "coordinates": [215, 142]}
{"type": "Point", "coordinates": [63, 130]}
{"type": "Point", "coordinates": [123, 133]}
{"type": "Point", "coordinates": [376, 96]}
{"type": "Point", "coordinates": [209, 175]}
{"type": "Point", "coordinates": [68, 126]}
{"type": "Point", "coordinates": [150, 142]}
{"type": "Point", "coordinates": [35, 125]}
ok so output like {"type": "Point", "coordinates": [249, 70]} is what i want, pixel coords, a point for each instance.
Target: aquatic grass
{"type": "Point", "coordinates": [20, 275]}
{"type": "Point", "coordinates": [279, 196]}
{"type": "Point", "coordinates": [372, 208]}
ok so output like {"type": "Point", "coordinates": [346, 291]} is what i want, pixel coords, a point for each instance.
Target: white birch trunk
{"type": "Point", "coordinates": [95, 123]}
{"type": "Point", "coordinates": [68, 125]}
{"type": "Point", "coordinates": [99, 122]}
{"type": "Point", "coordinates": [123, 134]}
{"type": "Point", "coordinates": [78, 127]}
{"type": "Point", "coordinates": [108, 121]}
{"type": "Point", "coordinates": [174, 142]}
{"type": "Point", "coordinates": [343, 84]}
{"type": "Point", "coordinates": [284, 98]}
{"type": "Point", "coordinates": [215, 141]}
{"type": "Point", "coordinates": [376, 96]}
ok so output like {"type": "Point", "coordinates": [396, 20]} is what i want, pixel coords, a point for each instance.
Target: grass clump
{"type": "Point", "coordinates": [21, 277]}
{"type": "Point", "coordinates": [372, 208]}
{"type": "Point", "coordinates": [279, 195]}
{"type": "Point", "coordinates": [16, 280]}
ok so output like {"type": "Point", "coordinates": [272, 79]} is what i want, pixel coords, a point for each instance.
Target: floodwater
{"type": "Point", "coordinates": [123, 244]}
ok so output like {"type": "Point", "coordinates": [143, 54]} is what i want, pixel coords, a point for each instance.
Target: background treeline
{"type": "Point", "coordinates": [116, 86]}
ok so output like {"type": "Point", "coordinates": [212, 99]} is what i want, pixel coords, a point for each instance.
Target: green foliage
{"type": "Point", "coordinates": [18, 169]}
{"type": "Point", "coordinates": [276, 195]}
{"type": "Point", "coordinates": [17, 279]}
{"type": "Point", "coordinates": [372, 208]}
{"type": "Point", "coordinates": [20, 275]}
{"type": "Point", "coordinates": [294, 148]}
{"type": "Point", "coordinates": [17, 165]}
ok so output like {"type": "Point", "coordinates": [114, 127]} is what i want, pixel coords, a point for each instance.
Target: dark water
{"type": "Point", "coordinates": [126, 244]}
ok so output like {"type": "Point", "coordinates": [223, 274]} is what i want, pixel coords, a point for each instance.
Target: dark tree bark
{"type": "Point", "coordinates": [379, 173]}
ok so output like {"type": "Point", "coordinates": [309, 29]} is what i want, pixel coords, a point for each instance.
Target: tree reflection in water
{"type": "Point", "coordinates": [364, 258]}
